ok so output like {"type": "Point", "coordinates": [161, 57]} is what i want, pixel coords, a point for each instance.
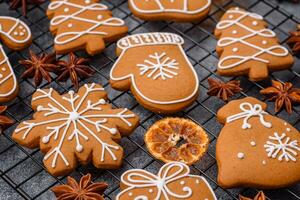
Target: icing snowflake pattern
{"type": "Point", "coordinates": [159, 66]}
{"type": "Point", "coordinates": [76, 121]}
{"type": "Point", "coordinates": [282, 147]}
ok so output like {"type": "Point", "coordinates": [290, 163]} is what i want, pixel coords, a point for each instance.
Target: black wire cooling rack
{"type": "Point", "coordinates": [22, 175]}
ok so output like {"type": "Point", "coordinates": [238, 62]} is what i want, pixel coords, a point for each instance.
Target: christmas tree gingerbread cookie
{"type": "Point", "coordinates": [247, 47]}
{"type": "Point", "coordinates": [76, 127]}
{"type": "Point", "coordinates": [256, 149]}
{"type": "Point", "coordinates": [16, 35]}
{"type": "Point", "coordinates": [83, 25]}
{"type": "Point", "coordinates": [173, 182]}
{"type": "Point", "coordinates": [156, 69]}
{"type": "Point", "coordinates": [174, 10]}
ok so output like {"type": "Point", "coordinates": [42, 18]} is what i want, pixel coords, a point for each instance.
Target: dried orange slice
{"type": "Point", "coordinates": [177, 139]}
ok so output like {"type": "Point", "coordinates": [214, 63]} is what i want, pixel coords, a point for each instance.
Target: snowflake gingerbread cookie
{"type": "Point", "coordinates": [16, 35]}
{"type": "Point", "coordinates": [174, 10]}
{"type": "Point", "coordinates": [154, 66]}
{"type": "Point", "coordinates": [256, 149]}
{"type": "Point", "coordinates": [247, 47]}
{"type": "Point", "coordinates": [76, 128]}
{"type": "Point", "coordinates": [173, 182]}
{"type": "Point", "coordinates": [83, 25]}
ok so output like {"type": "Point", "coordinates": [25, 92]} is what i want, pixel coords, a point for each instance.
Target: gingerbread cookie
{"type": "Point", "coordinates": [256, 149]}
{"type": "Point", "coordinates": [16, 35]}
{"type": "Point", "coordinates": [247, 47]}
{"type": "Point", "coordinates": [76, 127]}
{"type": "Point", "coordinates": [174, 10]}
{"type": "Point", "coordinates": [156, 69]}
{"type": "Point", "coordinates": [177, 139]}
{"type": "Point", "coordinates": [172, 182]}
{"type": "Point", "coordinates": [83, 24]}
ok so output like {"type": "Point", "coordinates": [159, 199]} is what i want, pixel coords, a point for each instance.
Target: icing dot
{"type": "Point", "coordinates": [206, 199]}
{"type": "Point", "coordinates": [73, 116]}
{"type": "Point", "coordinates": [113, 131]}
{"type": "Point", "coordinates": [3, 69]}
{"type": "Point", "coordinates": [22, 33]}
{"type": "Point", "coordinates": [264, 162]}
{"type": "Point", "coordinates": [20, 27]}
{"type": "Point", "coordinates": [254, 23]}
{"type": "Point", "coordinates": [288, 129]}
{"type": "Point", "coordinates": [79, 148]}
{"type": "Point", "coordinates": [24, 30]}
{"type": "Point", "coordinates": [99, 17]}
{"type": "Point", "coordinates": [130, 194]}
{"type": "Point", "coordinates": [150, 190]}
{"type": "Point", "coordinates": [70, 25]}
{"type": "Point", "coordinates": [16, 33]}
{"type": "Point", "coordinates": [66, 10]}
{"type": "Point", "coordinates": [235, 49]}
{"type": "Point", "coordinates": [45, 140]}
{"type": "Point", "coordinates": [39, 108]}
{"type": "Point", "coordinates": [87, 1]}
{"type": "Point", "coordinates": [241, 155]}
{"type": "Point", "coordinates": [1, 76]}
{"type": "Point", "coordinates": [253, 143]}
{"type": "Point", "coordinates": [237, 8]}
{"type": "Point", "coordinates": [234, 32]}
{"type": "Point", "coordinates": [285, 123]}
{"type": "Point", "coordinates": [102, 101]}
{"type": "Point", "coordinates": [230, 16]}
{"type": "Point", "coordinates": [182, 182]}
{"type": "Point", "coordinates": [197, 181]}
{"type": "Point", "coordinates": [264, 42]}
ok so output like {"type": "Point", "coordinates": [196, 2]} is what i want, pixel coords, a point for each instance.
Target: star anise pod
{"type": "Point", "coordinates": [223, 90]}
{"type": "Point", "coordinates": [84, 190]}
{"type": "Point", "coordinates": [260, 196]}
{"type": "Point", "coordinates": [4, 120]}
{"type": "Point", "coordinates": [283, 94]}
{"type": "Point", "coordinates": [38, 67]}
{"type": "Point", "coordinates": [74, 68]}
{"type": "Point", "coordinates": [294, 41]}
{"type": "Point", "coordinates": [23, 3]}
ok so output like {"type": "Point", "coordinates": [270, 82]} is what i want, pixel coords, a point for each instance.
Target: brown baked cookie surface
{"type": "Point", "coordinates": [16, 35]}
{"type": "Point", "coordinates": [76, 128]}
{"type": "Point", "coordinates": [173, 182]}
{"type": "Point", "coordinates": [247, 47]}
{"type": "Point", "coordinates": [173, 10]}
{"type": "Point", "coordinates": [83, 25]}
{"type": "Point", "coordinates": [254, 148]}
{"type": "Point", "coordinates": [156, 69]}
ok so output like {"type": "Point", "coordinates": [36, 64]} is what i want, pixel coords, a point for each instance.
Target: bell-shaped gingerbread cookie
{"type": "Point", "coordinates": [16, 35]}
{"type": "Point", "coordinates": [156, 69]}
{"type": "Point", "coordinates": [256, 149]}
{"type": "Point", "coordinates": [175, 10]}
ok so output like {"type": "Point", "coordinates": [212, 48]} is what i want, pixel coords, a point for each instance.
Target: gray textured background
{"type": "Point", "coordinates": [22, 175]}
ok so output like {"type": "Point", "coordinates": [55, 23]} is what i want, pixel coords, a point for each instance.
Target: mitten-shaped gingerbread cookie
{"type": "Point", "coordinates": [247, 47]}
{"type": "Point", "coordinates": [173, 182]}
{"type": "Point", "coordinates": [76, 127]}
{"type": "Point", "coordinates": [83, 24]}
{"type": "Point", "coordinates": [16, 35]}
{"type": "Point", "coordinates": [154, 66]}
{"type": "Point", "coordinates": [256, 149]}
{"type": "Point", "coordinates": [175, 10]}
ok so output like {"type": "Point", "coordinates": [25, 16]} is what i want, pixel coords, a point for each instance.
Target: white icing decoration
{"type": "Point", "coordinates": [264, 162]}
{"type": "Point", "coordinates": [138, 178]}
{"type": "Point", "coordinates": [241, 155]}
{"type": "Point", "coordinates": [182, 182]}
{"type": "Point", "coordinates": [75, 116]}
{"type": "Point", "coordinates": [288, 129]}
{"type": "Point", "coordinates": [151, 39]}
{"type": "Point", "coordinates": [16, 33]}
{"type": "Point", "coordinates": [234, 32]}
{"type": "Point", "coordinates": [3, 69]}
{"type": "Point", "coordinates": [250, 111]}
{"type": "Point", "coordinates": [235, 49]}
{"type": "Point", "coordinates": [159, 66]}
{"type": "Point", "coordinates": [253, 143]}
{"type": "Point", "coordinates": [162, 9]}
{"type": "Point", "coordinates": [285, 123]}
{"type": "Point", "coordinates": [70, 25]}
{"type": "Point", "coordinates": [1, 75]}
{"type": "Point", "coordinates": [71, 36]}
{"type": "Point", "coordinates": [282, 147]}
{"type": "Point", "coordinates": [87, 1]}
{"type": "Point", "coordinates": [264, 42]}
{"type": "Point", "coordinates": [276, 50]}
{"type": "Point", "coordinates": [150, 190]}
{"type": "Point", "coordinates": [254, 23]}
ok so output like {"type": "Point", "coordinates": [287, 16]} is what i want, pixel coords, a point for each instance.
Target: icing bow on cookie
{"type": "Point", "coordinates": [249, 111]}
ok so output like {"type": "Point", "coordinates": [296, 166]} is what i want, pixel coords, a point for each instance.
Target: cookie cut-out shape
{"type": "Point", "coordinates": [172, 182]}
{"type": "Point", "coordinates": [175, 10]}
{"type": "Point", "coordinates": [256, 149]}
{"type": "Point", "coordinates": [16, 35]}
{"type": "Point", "coordinates": [83, 25]}
{"type": "Point", "coordinates": [247, 47]}
{"type": "Point", "coordinates": [156, 69]}
{"type": "Point", "coordinates": [76, 127]}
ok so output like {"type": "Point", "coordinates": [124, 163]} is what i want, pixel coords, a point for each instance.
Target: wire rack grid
{"type": "Point", "coordinates": [22, 174]}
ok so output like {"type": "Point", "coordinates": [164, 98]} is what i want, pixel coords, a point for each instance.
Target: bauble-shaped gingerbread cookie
{"type": "Point", "coordinates": [256, 149]}
{"type": "Point", "coordinates": [76, 128]}
{"type": "Point", "coordinates": [156, 69]}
